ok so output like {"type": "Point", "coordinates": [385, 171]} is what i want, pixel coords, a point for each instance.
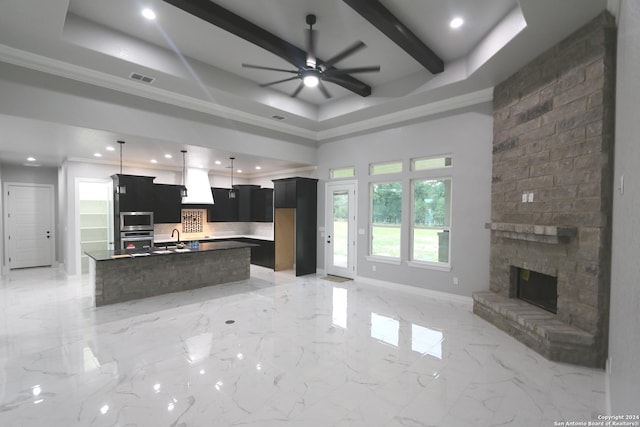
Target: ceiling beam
{"type": "Point", "coordinates": [381, 18]}
{"type": "Point", "coordinates": [229, 21]}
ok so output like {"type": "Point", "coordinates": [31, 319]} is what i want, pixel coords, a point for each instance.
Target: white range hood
{"type": "Point", "coordinates": [198, 188]}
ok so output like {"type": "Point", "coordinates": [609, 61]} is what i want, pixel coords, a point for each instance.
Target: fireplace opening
{"type": "Point", "coordinates": [538, 289]}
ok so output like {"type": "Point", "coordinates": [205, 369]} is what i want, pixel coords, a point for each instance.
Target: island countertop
{"type": "Point", "coordinates": [163, 251]}
{"type": "Point", "coordinates": [119, 275]}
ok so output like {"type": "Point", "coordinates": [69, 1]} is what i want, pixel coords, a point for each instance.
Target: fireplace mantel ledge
{"type": "Point", "coordinates": [533, 233]}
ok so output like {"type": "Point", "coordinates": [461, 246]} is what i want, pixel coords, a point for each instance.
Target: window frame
{"type": "Point", "coordinates": [412, 227]}
{"type": "Point", "coordinates": [385, 258]}
{"type": "Point", "coordinates": [414, 160]}
{"type": "Point", "coordinates": [332, 170]}
{"type": "Point", "coordinates": [392, 162]}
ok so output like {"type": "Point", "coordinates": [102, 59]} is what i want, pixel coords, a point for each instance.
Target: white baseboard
{"type": "Point", "coordinates": [460, 299]}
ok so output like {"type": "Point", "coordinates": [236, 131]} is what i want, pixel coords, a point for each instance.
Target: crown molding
{"type": "Point", "coordinates": [90, 76]}
{"type": "Point", "coordinates": [59, 68]}
{"type": "Point", "coordinates": [436, 107]}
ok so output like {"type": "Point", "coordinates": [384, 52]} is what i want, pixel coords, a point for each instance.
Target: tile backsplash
{"type": "Point", "coordinates": [213, 229]}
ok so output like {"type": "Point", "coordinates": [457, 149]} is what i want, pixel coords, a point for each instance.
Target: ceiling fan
{"type": "Point", "coordinates": [315, 71]}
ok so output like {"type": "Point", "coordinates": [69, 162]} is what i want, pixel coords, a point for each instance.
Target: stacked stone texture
{"type": "Point", "coordinates": [553, 136]}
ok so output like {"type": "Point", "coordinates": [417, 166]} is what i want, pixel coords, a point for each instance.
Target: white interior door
{"type": "Point", "coordinates": [29, 234]}
{"type": "Point", "coordinates": [340, 229]}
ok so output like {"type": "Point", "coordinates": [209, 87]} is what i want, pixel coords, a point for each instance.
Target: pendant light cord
{"type": "Point", "coordinates": [121, 144]}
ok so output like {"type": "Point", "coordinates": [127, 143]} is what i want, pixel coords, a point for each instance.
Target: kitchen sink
{"type": "Point", "coordinates": [163, 251]}
{"type": "Point", "coordinates": [182, 250]}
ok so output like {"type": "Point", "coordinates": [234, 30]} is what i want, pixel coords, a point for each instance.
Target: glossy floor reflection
{"type": "Point", "coordinates": [300, 352]}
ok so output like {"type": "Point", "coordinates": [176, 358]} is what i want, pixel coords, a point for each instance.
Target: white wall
{"type": "Point", "coordinates": [624, 321]}
{"type": "Point", "coordinates": [468, 136]}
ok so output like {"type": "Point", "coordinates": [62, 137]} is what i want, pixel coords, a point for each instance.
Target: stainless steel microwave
{"type": "Point", "coordinates": [136, 221]}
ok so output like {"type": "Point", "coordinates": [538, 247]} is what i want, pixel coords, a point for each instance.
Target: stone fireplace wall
{"type": "Point", "coordinates": [552, 190]}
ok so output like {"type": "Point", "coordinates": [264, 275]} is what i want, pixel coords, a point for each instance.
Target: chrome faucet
{"type": "Point", "coordinates": [175, 230]}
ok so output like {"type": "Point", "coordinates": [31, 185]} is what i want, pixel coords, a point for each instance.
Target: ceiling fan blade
{"type": "Point", "coordinates": [260, 67]}
{"type": "Point", "coordinates": [279, 81]}
{"type": "Point", "coordinates": [337, 72]}
{"type": "Point", "coordinates": [348, 51]}
{"type": "Point", "coordinates": [324, 90]}
{"type": "Point", "coordinates": [298, 89]}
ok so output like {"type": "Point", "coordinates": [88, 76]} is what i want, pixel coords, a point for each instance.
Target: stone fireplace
{"type": "Point", "coordinates": [551, 199]}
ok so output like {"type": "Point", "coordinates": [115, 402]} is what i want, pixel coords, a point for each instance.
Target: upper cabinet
{"type": "Point", "coordinates": [138, 195]}
{"type": "Point", "coordinates": [285, 193]}
{"type": "Point", "coordinates": [243, 194]}
{"type": "Point", "coordinates": [167, 204]}
{"type": "Point", "coordinates": [224, 208]}
{"type": "Point", "coordinates": [251, 204]}
{"type": "Point", "coordinates": [262, 205]}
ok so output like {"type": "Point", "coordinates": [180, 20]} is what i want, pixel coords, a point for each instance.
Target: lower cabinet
{"type": "Point", "coordinates": [262, 255]}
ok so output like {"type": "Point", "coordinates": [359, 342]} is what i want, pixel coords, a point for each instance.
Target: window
{"type": "Point", "coordinates": [342, 173]}
{"type": "Point", "coordinates": [386, 219]}
{"type": "Point", "coordinates": [431, 220]}
{"type": "Point", "coordinates": [383, 168]}
{"type": "Point", "coordinates": [427, 163]}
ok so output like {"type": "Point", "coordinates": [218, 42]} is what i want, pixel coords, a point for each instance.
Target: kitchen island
{"type": "Point", "coordinates": [120, 275]}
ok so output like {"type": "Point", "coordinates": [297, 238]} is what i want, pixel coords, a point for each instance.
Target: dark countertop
{"type": "Point", "coordinates": [204, 247]}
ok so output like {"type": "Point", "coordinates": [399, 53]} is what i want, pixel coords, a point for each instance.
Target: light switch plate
{"type": "Point", "coordinates": [530, 197]}
{"type": "Point", "coordinates": [524, 197]}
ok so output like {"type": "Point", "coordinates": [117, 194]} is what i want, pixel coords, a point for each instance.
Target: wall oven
{"type": "Point", "coordinates": [134, 240]}
{"type": "Point", "coordinates": [136, 221]}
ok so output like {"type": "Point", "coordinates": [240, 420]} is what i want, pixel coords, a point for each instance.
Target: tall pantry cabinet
{"type": "Point", "coordinates": [295, 224]}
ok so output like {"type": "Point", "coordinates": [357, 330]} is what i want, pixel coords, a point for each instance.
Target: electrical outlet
{"type": "Point", "coordinates": [524, 197]}
{"type": "Point", "coordinates": [373, 268]}
{"type": "Point", "coordinates": [455, 280]}
{"type": "Point", "coordinates": [530, 197]}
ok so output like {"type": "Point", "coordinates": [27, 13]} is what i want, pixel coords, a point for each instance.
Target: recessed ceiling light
{"type": "Point", "coordinates": [154, 161]}
{"type": "Point", "coordinates": [218, 162]}
{"type": "Point", "coordinates": [168, 156]}
{"type": "Point", "coordinates": [110, 148]}
{"type": "Point", "coordinates": [456, 22]}
{"type": "Point", "coordinates": [149, 14]}
{"type": "Point", "coordinates": [239, 171]}
{"type": "Point", "coordinates": [31, 159]}
{"type": "Point", "coordinates": [97, 155]}
{"type": "Point", "coordinates": [258, 167]}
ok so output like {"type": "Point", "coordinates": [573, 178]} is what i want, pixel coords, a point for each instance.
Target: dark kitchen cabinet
{"type": "Point", "coordinates": [263, 254]}
{"type": "Point", "coordinates": [262, 205]}
{"type": "Point", "coordinates": [285, 193]}
{"type": "Point", "coordinates": [251, 204]}
{"type": "Point", "coordinates": [224, 209]}
{"type": "Point", "coordinates": [167, 204]}
{"type": "Point", "coordinates": [296, 217]}
{"type": "Point", "coordinates": [243, 194]}
{"type": "Point", "coordinates": [138, 196]}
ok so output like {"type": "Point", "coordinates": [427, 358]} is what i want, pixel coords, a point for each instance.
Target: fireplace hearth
{"type": "Point", "coordinates": [537, 288]}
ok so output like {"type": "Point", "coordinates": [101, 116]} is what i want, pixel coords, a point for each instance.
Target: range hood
{"type": "Point", "coordinates": [198, 188]}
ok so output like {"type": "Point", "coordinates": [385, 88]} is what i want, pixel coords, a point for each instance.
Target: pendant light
{"type": "Point", "coordinates": [183, 190]}
{"type": "Point", "coordinates": [232, 191]}
{"type": "Point", "coordinates": [121, 188]}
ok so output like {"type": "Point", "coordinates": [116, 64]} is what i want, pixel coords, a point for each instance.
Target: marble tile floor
{"type": "Point", "coordinates": [300, 352]}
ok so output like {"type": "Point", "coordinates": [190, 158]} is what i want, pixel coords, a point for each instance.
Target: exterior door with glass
{"type": "Point", "coordinates": [340, 229]}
